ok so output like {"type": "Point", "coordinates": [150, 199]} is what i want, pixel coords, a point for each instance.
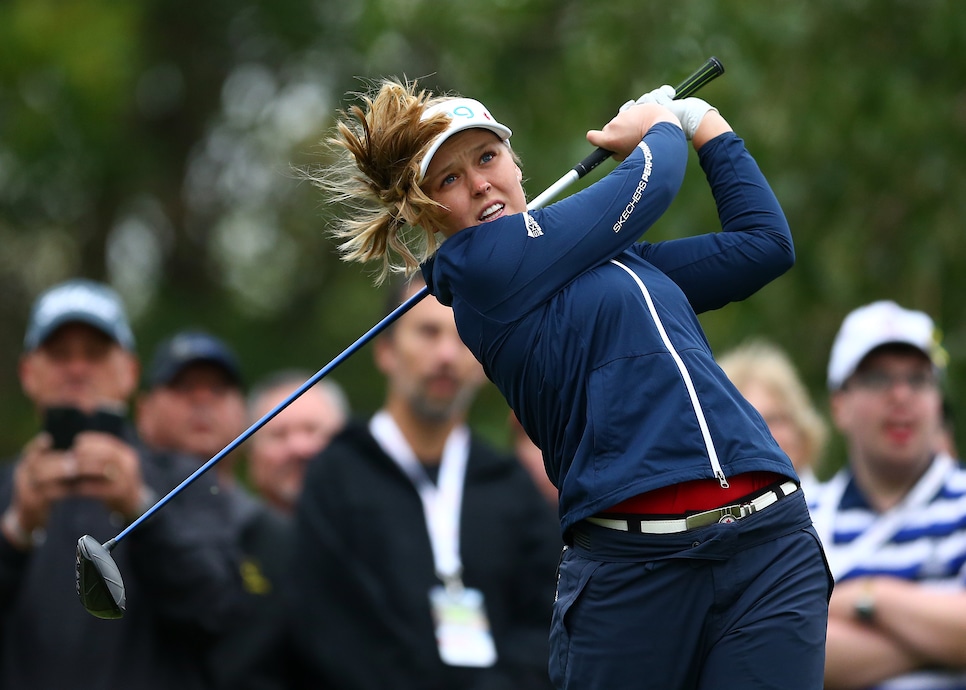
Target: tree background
{"type": "Point", "coordinates": [151, 144]}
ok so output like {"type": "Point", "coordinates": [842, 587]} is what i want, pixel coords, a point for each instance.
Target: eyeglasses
{"type": "Point", "coordinates": [879, 381]}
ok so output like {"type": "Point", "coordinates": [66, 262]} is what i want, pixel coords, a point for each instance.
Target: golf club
{"type": "Point", "coordinates": [99, 583]}
{"type": "Point", "coordinates": [711, 69]}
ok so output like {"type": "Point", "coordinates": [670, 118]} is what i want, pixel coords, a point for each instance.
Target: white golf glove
{"type": "Point", "coordinates": [689, 111]}
{"type": "Point", "coordinates": [662, 96]}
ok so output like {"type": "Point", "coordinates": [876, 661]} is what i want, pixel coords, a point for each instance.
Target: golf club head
{"type": "Point", "coordinates": [99, 583]}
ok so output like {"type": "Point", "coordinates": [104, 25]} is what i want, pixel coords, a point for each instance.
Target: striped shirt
{"type": "Point", "coordinates": [922, 539]}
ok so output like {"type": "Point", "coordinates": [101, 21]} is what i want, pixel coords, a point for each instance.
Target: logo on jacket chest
{"type": "Point", "coordinates": [533, 228]}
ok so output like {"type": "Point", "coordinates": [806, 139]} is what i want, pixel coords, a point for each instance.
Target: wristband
{"type": "Point", "coordinates": [147, 497]}
{"type": "Point", "coordinates": [14, 531]}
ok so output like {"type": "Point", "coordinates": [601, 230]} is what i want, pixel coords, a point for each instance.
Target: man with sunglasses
{"type": "Point", "coordinates": [893, 520]}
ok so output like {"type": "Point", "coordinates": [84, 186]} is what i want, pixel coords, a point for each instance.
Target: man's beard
{"type": "Point", "coordinates": [440, 411]}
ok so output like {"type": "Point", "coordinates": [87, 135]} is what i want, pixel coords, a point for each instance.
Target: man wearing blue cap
{"type": "Point", "coordinates": [86, 473]}
{"type": "Point", "coordinates": [195, 405]}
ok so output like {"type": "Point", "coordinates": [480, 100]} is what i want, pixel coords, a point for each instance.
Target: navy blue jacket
{"type": "Point", "coordinates": [592, 336]}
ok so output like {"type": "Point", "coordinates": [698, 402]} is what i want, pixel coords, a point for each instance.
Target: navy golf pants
{"type": "Point", "coordinates": [740, 605]}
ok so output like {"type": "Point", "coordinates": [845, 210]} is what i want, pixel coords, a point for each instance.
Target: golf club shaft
{"type": "Point", "coordinates": [711, 69]}
{"type": "Point", "coordinates": [245, 435]}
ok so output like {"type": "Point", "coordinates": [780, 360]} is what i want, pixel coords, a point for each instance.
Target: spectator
{"type": "Point", "coordinates": [424, 558]}
{"type": "Point", "coordinates": [279, 453]}
{"type": "Point", "coordinates": [195, 405]}
{"type": "Point", "coordinates": [531, 457]}
{"type": "Point", "coordinates": [893, 520]}
{"type": "Point", "coordinates": [179, 574]}
{"type": "Point", "coordinates": [767, 379]}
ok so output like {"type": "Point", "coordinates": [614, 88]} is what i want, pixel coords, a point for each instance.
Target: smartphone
{"type": "Point", "coordinates": [63, 423]}
{"type": "Point", "coordinates": [107, 421]}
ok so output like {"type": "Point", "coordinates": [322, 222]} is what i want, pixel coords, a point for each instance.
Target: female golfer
{"type": "Point", "coordinates": [691, 559]}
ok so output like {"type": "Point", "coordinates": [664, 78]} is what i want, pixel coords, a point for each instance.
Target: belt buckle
{"type": "Point", "coordinates": [734, 513]}
{"type": "Point", "coordinates": [726, 514]}
{"type": "Point", "coordinates": [723, 516]}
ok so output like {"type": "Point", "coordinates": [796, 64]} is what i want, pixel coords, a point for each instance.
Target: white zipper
{"type": "Point", "coordinates": [685, 374]}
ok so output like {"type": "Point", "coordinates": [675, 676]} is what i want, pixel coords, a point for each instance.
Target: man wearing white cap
{"type": "Point", "coordinates": [893, 521]}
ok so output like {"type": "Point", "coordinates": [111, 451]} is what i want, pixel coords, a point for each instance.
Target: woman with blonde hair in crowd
{"type": "Point", "coordinates": [765, 375]}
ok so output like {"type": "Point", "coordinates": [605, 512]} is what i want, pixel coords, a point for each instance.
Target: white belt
{"type": "Point", "coordinates": [708, 517]}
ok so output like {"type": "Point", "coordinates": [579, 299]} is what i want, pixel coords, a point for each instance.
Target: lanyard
{"type": "Point", "coordinates": [441, 502]}
{"type": "Point", "coordinates": [842, 559]}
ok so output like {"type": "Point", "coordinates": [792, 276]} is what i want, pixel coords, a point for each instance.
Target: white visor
{"type": "Point", "coordinates": [464, 113]}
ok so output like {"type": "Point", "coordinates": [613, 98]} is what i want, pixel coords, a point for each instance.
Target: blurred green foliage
{"type": "Point", "coordinates": [151, 144]}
